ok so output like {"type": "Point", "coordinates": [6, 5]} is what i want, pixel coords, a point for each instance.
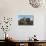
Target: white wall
{"type": "Point", "coordinates": [11, 7]}
{"type": "Point", "coordinates": [45, 28]}
{"type": "Point", "coordinates": [24, 32]}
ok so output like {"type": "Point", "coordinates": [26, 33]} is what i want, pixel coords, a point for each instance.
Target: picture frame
{"type": "Point", "coordinates": [25, 19]}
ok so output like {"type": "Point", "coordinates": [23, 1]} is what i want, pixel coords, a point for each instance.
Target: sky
{"type": "Point", "coordinates": [26, 16]}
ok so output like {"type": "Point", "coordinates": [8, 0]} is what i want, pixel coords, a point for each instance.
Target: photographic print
{"type": "Point", "coordinates": [25, 19]}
